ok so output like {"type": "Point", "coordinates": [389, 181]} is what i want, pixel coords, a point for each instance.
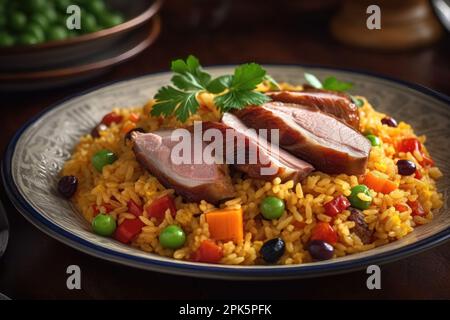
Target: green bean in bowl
{"type": "Point", "coordinates": [29, 22]}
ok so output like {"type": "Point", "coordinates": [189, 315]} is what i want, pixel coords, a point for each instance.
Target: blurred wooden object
{"type": "Point", "coordinates": [404, 24]}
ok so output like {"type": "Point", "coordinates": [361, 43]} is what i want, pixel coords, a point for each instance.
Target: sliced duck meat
{"type": "Point", "coordinates": [252, 154]}
{"type": "Point", "coordinates": [334, 103]}
{"type": "Point", "coordinates": [194, 182]}
{"type": "Point", "coordinates": [314, 136]}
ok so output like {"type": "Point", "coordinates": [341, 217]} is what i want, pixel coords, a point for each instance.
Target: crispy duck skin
{"type": "Point", "coordinates": [269, 162]}
{"type": "Point", "coordinates": [194, 182]}
{"type": "Point", "coordinates": [314, 136]}
{"type": "Point", "coordinates": [334, 103]}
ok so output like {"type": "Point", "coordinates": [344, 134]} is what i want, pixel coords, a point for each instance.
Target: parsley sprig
{"type": "Point", "coordinates": [333, 84]}
{"type": "Point", "coordinates": [234, 91]}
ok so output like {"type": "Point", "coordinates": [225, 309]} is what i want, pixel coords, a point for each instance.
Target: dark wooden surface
{"type": "Point", "coordinates": [34, 264]}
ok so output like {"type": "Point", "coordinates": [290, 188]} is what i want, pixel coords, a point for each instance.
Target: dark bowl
{"type": "Point", "coordinates": [64, 52]}
{"type": "Point", "coordinates": [135, 42]}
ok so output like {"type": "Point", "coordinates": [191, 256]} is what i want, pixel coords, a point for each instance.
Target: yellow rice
{"type": "Point", "coordinates": [125, 179]}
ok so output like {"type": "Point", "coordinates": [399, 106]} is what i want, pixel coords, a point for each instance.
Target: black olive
{"type": "Point", "coordinates": [272, 250]}
{"type": "Point", "coordinates": [67, 186]}
{"type": "Point", "coordinates": [390, 122]}
{"type": "Point", "coordinates": [95, 133]}
{"type": "Point", "coordinates": [320, 250]}
{"type": "Point", "coordinates": [406, 167]}
{"type": "Point", "coordinates": [128, 135]}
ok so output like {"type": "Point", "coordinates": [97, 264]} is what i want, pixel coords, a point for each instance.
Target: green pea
{"type": "Point", "coordinates": [6, 40]}
{"type": "Point", "coordinates": [374, 140]}
{"type": "Point", "coordinates": [57, 33]}
{"type": "Point", "coordinates": [272, 207]}
{"type": "Point", "coordinates": [62, 5]}
{"type": "Point", "coordinates": [110, 20]}
{"type": "Point", "coordinates": [34, 5]}
{"type": "Point", "coordinates": [27, 39]}
{"type": "Point", "coordinates": [103, 158]}
{"type": "Point", "coordinates": [17, 20]}
{"type": "Point", "coordinates": [355, 201]}
{"type": "Point", "coordinates": [2, 20]}
{"type": "Point", "coordinates": [40, 19]}
{"type": "Point", "coordinates": [88, 23]}
{"type": "Point", "coordinates": [50, 13]}
{"type": "Point", "coordinates": [172, 237]}
{"type": "Point", "coordinates": [36, 31]}
{"type": "Point", "coordinates": [97, 7]}
{"type": "Point", "coordinates": [104, 224]}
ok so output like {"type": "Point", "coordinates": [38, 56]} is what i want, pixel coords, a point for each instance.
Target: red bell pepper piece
{"type": "Point", "coordinates": [426, 161]}
{"type": "Point", "coordinates": [128, 229]}
{"type": "Point", "coordinates": [335, 206]}
{"type": "Point", "coordinates": [409, 145]}
{"type": "Point", "coordinates": [325, 232]}
{"type": "Point", "coordinates": [134, 208]}
{"type": "Point", "coordinates": [208, 252]}
{"type": "Point", "coordinates": [417, 209]}
{"type": "Point", "coordinates": [417, 175]}
{"type": "Point", "coordinates": [159, 206]}
{"type": "Point", "coordinates": [401, 207]}
{"type": "Point", "coordinates": [412, 144]}
{"type": "Point", "coordinates": [298, 224]}
{"type": "Point", "coordinates": [111, 117]}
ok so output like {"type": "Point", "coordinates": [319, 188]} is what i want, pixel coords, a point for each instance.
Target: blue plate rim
{"type": "Point", "coordinates": [208, 270]}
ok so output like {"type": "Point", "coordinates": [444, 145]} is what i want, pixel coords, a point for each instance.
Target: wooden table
{"type": "Point", "coordinates": [34, 265]}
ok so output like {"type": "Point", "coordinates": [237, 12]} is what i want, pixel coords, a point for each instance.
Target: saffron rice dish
{"type": "Point", "coordinates": [408, 202]}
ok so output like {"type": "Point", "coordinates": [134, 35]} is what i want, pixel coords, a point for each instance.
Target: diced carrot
{"type": "Point", "coordinates": [208, 252]}
{"type": "Point", "coordinates": [128, 126]}
{"type": "Point", "coordinates": [379, 182]}
{"type": "Point", "coordinates": [226, 224]}
{"type": "Point", "coordinates": [134, 117]}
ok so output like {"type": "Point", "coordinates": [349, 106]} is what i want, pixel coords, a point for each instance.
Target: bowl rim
{"type": "Point", "coordinates": [204, 270]}
{"type": "Point", "coordinates": [152, 32]}
{"type": "Point", "coordinates": [152, 10]}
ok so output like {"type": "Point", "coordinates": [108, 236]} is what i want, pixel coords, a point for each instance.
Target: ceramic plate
{"type": "Point", "coordinates": [38, 150]}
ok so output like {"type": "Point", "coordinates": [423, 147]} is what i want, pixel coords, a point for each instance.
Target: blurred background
{"type": "Point", "coordinates": [145, 35]}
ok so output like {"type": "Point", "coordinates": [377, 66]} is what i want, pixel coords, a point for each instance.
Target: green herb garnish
{"type": "Point", "coordinates": [357, 101]}
{"type": "Point", "coordinates": [333, 84]}
{"type": "Point", "coordinates": [272, 82]}
{"type": "Point", "coordinates": [329, 83]}
{"type": "Point", "coordinates": [313, 80]}
{"type": "Point", "coordinates": [233, 91]}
